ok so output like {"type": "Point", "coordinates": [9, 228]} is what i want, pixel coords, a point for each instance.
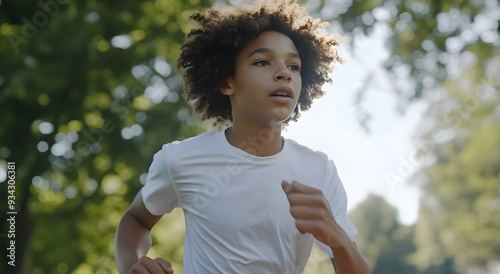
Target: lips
{"type": "Point", "coordinates": [282, 92]}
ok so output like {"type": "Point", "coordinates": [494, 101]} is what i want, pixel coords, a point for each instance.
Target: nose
{"type": "Point", "coordinates": [283, 75]}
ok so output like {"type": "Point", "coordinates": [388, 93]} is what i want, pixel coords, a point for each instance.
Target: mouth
{"type": "Point", "coordinates": [282, 92]}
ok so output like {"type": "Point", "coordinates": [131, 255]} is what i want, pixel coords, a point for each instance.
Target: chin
{"type": "Point", "coordinates": [281, 114]}
{"type": "Point", "coordinates": [278, 122]}
{"type": "Point", "coordinates": [275, 123]}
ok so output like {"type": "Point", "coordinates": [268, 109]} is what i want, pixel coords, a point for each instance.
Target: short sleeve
{"type": "Point", "coordinates": [159, 193]}
{"type": "Point", "coordinates": [335, 193]}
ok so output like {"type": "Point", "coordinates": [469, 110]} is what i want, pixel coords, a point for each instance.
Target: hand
{"type": "Point", "coordinates": [313, 215]}
{"type": "Point", "coordinates": [146, 265]}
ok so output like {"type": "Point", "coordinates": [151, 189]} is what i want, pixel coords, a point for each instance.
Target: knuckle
{"type": "Point", "coordinates": [324, 215]}
{"type": "Point", "coordinates": [293, 212]}
{"type": "Point", "coordinates": [143, 259]}
{"type": "Point", "coordinates": [292, 198]}
{"type": "Point", "coordinates": [300, 228]}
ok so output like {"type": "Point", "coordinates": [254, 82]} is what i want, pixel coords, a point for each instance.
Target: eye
{"type": "Point", "coordinates": [261, 63]}
{"type": "Point", "coordinates": [294, 67]}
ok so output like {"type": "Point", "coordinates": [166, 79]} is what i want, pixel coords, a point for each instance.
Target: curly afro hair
{"type": "Point", "coordinates": [223, 33]}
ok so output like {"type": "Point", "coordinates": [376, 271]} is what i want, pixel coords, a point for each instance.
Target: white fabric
{"type": "Point", "coordinates": [237, 215]}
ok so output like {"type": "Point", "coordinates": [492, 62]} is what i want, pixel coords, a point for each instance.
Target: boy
{"type": "Point", "coordinates": [253, 201]}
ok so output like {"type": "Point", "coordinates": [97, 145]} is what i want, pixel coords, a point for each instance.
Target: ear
{"type": "Point", "coordinates": [227, 88]}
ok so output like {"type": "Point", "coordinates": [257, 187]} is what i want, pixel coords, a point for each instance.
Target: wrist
{"type": "Point", "coordinates": [348, 259]}
{"type": "Point", "coordinates": [341, 243]}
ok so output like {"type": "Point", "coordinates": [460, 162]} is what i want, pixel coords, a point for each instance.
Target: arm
{"type": "Point", "coordinates": [313, 215]}
{"type": "Point", "coordinates": [349, 260]}
{"type": "Point", "coordinates": [133, 241]}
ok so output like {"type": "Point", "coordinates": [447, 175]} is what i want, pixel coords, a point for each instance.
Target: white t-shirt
{"type": "Point", "coordinates": [237, 215]}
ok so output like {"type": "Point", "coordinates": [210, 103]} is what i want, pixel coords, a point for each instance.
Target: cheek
{"type": "Point", "coordinates": [247, 86]}
{"type": "Point", "coordinates": [240, 88]}
{"type": "Point", "coordinates": [298, 85]}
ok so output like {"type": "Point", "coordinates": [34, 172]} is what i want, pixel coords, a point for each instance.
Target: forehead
{"type": "Point", "coordinates": [275, 41]}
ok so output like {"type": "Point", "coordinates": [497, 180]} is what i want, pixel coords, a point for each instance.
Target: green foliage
{"type": "Point", "coordinates": [88, 94]}
{"type": "Point", "coordinates": [461, 215]}
{"type": "Point", "coordinates": [376, 221]}
{"type": "Point", "coordinates": [424, 38]}
{"type": "Point", "coordinates": [384, 242]}
{"type": "Point", "coordinates": [387, 245]}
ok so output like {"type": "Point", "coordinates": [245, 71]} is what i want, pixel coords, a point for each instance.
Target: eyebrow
{"type": "Point", "coordinates": [268, 50]}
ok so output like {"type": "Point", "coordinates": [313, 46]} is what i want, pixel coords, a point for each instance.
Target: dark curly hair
{"type": "Point", "coordinates": [209, 53]}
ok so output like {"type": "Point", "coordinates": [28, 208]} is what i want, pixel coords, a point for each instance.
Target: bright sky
{"type": "Point", "coordinates": [365, 159]}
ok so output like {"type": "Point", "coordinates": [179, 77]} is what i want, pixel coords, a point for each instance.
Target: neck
{"type": "Point", "coordinates": [257, 140]}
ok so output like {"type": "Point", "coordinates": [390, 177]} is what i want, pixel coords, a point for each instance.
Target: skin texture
{"type": "Point", "coordinates": [268, 63]}
{"type": "Point", "coordinates": [209, 52]}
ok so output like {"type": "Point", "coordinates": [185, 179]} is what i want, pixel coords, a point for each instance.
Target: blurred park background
{"type": "Point", "coordinates": [89, 92]}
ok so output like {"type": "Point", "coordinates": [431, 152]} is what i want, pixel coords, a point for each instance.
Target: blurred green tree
{"type": "Point", "coordinates": [384, 241]}
{"type": "Point", "coordinates": [88, 94]}
{"type": "Point", "coordinates": [387, 244]}
{"type": "Point", "coordinates": [376, 221]}
{"type": "Point", "coordinates": [460, 215]}
{"type": "Point", "coordinates": [425, 38]}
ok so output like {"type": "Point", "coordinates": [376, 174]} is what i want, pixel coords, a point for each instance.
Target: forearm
{"type": "Point", "coordinates": [132, 242]}
{"type": "Point", "coordinates": [348, 260]}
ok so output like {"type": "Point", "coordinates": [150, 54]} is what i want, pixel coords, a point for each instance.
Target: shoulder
{"type": "Point", "coordinates": [306, 153]}
{"type": "Point", "coordinates": [187, 151]}
{"type": "Point", "coordinates": [191, 144]}
{"type": "Point", "coordinates": [191, 148]}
